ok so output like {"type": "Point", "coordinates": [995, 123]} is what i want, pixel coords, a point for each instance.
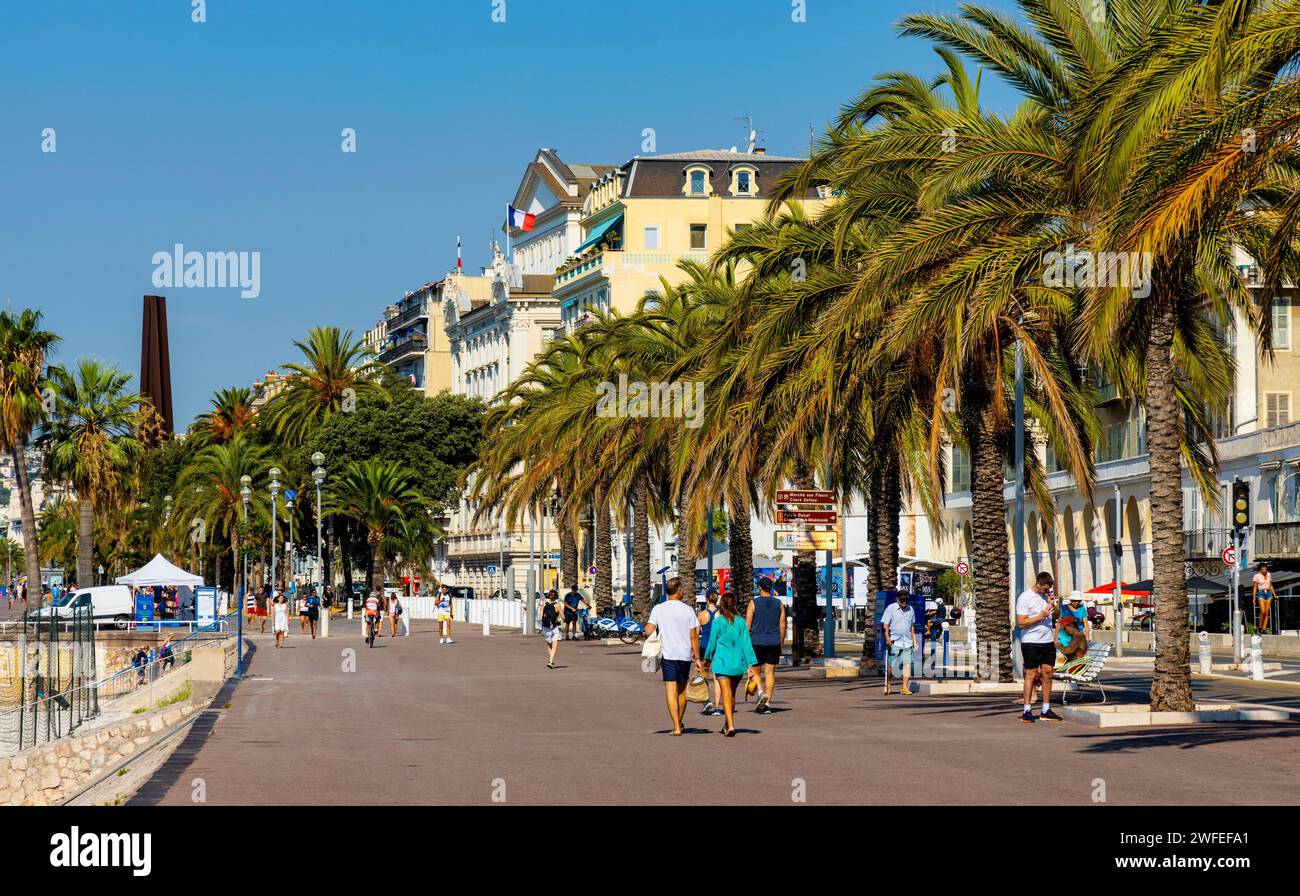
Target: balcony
{"type": "Point", "coordinates": [1277, 540]}
{"type": "Point", "coordinates": [417, 312]}
{"type": "Point", "coordinates": [1205, 544]}
{"type": "Point", "coordinates": [402, 349]}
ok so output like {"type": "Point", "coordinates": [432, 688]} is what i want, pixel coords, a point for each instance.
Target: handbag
{"type": "Point", "coordinates": [697, 691]}
{"type": "Point", "coordinates": [653, 647]}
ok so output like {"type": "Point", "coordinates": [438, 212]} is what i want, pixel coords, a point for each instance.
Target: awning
{"type": "Point", "coordinates": [598, 232]}
{"type": "Point", "coordinates": [159, 571]}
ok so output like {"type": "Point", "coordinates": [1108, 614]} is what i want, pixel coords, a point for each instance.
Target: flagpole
{"type": "Point", "coordinates": [509, 250]}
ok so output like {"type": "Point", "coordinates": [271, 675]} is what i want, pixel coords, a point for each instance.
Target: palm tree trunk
{"type": "Point", "coordinates": [373, 565]}
{"type": "Point", "coordinates": [27, 514]}
{"type": "Point", "coordinates": [85, 541]}
{"type": "Point", "coordinates": [641, 549]}
{"type": "Point", "coordinates": [887, 501]}
{"type": "Point", "coordinates": [345, 559]}
{"type": "Point", "coordinates": [740, 544]}
{"type": "Point", "coordinates": [604, 559]}
{"type": "Point", "coordinates": [989, 528]}
{"type": "Point", "coordinates": [1171, 687]}
{"type": "Point", "coordinates": [807, 638]}
{"type": "Point", "coordinates": [568, 552]}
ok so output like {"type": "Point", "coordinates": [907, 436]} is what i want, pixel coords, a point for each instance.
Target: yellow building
{"type": "Point", "coordinates": [643, 217]}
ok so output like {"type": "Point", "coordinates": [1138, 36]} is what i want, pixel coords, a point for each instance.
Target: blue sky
{"type": "Point", "coordinates": [225, 136]}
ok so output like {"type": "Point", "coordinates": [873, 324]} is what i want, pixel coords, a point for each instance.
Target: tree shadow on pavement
{"type": "Point", "coordinates": [1186, 737]}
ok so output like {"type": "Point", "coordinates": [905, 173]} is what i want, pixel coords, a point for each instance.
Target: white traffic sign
{"type": "Point", "coordinates": [963, 568]}
{"type": "Point", "coordinates": [1229, 556]}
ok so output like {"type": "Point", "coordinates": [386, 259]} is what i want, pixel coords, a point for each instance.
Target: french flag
{"type": "Point", "coordinates": [525, 221]}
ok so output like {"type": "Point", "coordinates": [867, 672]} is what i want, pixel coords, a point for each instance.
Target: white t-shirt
{"type": "Point", "coordinates": [1031, 603]}
{"type": "Point", "coordinates": [901, 625]}
{"type": "Point", "coordinates": [673, 621]}
{"type": "Point", "coordinates": [1264, 581]}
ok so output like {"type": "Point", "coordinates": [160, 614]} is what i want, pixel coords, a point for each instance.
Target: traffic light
{"type": "Point", "coordinates": [1240, 504]}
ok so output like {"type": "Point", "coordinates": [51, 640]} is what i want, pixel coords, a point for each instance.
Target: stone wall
{"type": "Point", "coordinates": [49, 774]}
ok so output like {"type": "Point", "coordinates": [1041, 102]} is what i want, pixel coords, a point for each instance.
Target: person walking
{"type": "Point", "coordinates": [394, 613]}
{"type": "Point", "coordinates": [730, 655]}
{"type": "Point", "coordinates": [280, 625]}
{"type": "Point", "coordinates": [303, 613]}
{"type": "Point", "coordinates": [705, 617]}
{"type": "Point", "coordinates": [313, 612]}
{"type": "Point", "coordinates": [765, 616]}
{"type": "Point", "coordinates": [679, 636]}
{"type": "Point", "coordinates": [1034, 609]}
{"type": "Point", "coordinates": [442, 614]}
{"type": "Point", "coordinates": [572, 601]}
{"type": "Point", "coordinates": [1263, 594]}
{"type": "Point", "coordinates": [262, 597]}
{"type": "Point", "coordinates": [551, 631]}
{"type": "Point", "coordinates": [899, 625]}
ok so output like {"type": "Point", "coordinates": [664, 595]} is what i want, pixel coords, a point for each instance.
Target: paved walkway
{"type": "Point", "coordinates": [418, 722]}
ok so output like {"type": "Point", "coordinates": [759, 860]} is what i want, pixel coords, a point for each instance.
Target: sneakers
{"type": "Point", "coordinates": [764, 710]}
{"type": "Point", "coordinates": [708, 709]}
{"type": "Point", "coordinates": [550, 665]}
{"type": "Point", "coordinates": [1050, 716]}
{"type": "Point", "coordinates": [762, 702]}
{"type": "Point", "coordinates": [450, 641]}
{"type": "Point", "coordinates": [1028, 716]}
{"type": "Point", "coordinates": [442, 640]}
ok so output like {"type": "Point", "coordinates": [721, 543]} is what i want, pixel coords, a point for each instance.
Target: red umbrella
{"type": "Point", "coordinates": [1124, 589]}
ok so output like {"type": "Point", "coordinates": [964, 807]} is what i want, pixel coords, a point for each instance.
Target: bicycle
{"type": "Point", "coordinates": [372, 626]}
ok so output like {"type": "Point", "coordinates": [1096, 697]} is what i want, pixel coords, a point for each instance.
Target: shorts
{"type": "Point", "coordinates": [1036, 655]}
{"type": "Point", "coordinates": [570, 615]}
{"type": "Point", "coordinates": [442, 616]}
{"type": "Point", "coordinates": [313, 614]}
{"type": "Point", "coordinates": [260, 612]}
{"type": "Point", "coordinates": [676, 670]}
{"type": "Point", "coordinates": [768, 654]}
{"type": "Point", "coordinates": [898, 657]}
{"type": "Point", "coordinates": [551, 633]}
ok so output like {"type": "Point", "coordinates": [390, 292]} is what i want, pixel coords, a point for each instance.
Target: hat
{"type": "Point", "coordinates": [1075, 597]}
{"type": "Point", "coordinates": [765, 583]}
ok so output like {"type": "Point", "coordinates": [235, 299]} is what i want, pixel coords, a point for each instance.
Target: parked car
{"type": "Point", "coordinates": [500, 593]}
{"type": "Point", "coordinates": [108, 603]}
{"type": "Point", "coordinates": [463, 591]}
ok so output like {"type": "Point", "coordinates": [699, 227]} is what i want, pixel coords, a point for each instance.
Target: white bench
{"type": "Point", "coordinates": [1086, 670]}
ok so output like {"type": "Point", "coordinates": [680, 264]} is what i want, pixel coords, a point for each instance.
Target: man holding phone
{"type": "Point", "coordinates": [1034, 611]}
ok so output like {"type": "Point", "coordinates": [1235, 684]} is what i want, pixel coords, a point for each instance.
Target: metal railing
{"type": "Point", "coordinates": [1205, 544]}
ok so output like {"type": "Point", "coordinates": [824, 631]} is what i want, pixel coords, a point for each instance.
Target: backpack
{"type": "Point", "coordinates": [550, 616]}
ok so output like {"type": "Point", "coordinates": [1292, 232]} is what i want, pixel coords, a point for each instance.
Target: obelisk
{"type": "Point", "coordinates": [155, 363]}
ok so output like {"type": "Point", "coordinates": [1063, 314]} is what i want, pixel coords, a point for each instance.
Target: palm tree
{"type": "Point", "coordinates": [211, 489]}
{"type": "Point", "coordinates": [92, 441]}
{"type": "Point", "coordinates": [378, 496]}
{"type": "Point", "coordinates": [24, 347]}
{"type": "Point", "coordinates": [337, 374]}
{"type": "Point", "coordinates": [231, 414]}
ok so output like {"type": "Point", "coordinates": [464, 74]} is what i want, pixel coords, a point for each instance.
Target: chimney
{"type": "Point", "coordinates": [760, 150]}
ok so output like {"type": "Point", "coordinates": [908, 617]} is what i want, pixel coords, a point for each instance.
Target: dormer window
{"type": "Point", "coordinates": [697, 182]}
{"type": "Point", "coordinates": [744, 181]}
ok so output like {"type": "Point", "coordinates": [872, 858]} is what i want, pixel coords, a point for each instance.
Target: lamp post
{"type": "Point", "coordinates": [1017, 662]}
{"type": "Point", "coordinates": [245, 491]}
{"type": "Point", "coordinates": [275, 510]}
{"type": "Point", "coordinates": [319, 477]}
{"type": "Point", "coordinates": [290, 570]}
{"type": "Point", "coordinates": [167, 521]}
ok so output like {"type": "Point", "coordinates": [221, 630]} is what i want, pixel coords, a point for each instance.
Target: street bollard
{"type": "Point", "coordinates": [487, 630]}
{"type": "Point", "coordinates": [1203, 653]}
{"type": "Point", "coordinates": [1256, 658]}
{"type": "Point", "coordinates": [349, 609]}
{"type": "Point", "coordinates": [945, 645]}
{"type": "Point", "coordinates": [406, 624]}
{"type": "Point", "coordinates": [324, 625]}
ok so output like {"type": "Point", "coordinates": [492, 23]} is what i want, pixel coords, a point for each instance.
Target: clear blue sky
{"type": "Point", "coordinates": [225, 136]}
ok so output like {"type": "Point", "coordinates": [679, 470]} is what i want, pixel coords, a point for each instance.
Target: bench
{"type": "Point", "coordinates": [1085, 670]}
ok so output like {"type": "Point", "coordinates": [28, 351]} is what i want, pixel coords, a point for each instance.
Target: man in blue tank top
{"type": "Point", "coordinates": [766, 618]}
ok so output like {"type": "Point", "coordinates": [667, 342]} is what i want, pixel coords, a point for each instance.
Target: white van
{"type": "Point", "coordinates": [110, 603]}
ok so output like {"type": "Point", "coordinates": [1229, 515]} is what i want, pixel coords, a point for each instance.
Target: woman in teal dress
{"type": "Point", "coordinates": [731, 654]}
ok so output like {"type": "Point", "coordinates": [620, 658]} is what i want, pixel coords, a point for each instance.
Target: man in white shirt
{"type": "Point", "coordinates": [679, 635]}
{"type": "Point", "coordinates": [1034, 611]}
{"type": "Point", "coordinates": [899, 623]}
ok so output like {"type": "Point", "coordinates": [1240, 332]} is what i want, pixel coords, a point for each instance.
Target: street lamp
{"type": "Point", "coordinates": [318, 477]}
{"type": "Point", "coordinates": [275, 510]}
{"type": "Point", "coordinates": [167, 521]}
{"type": "Point", "coordinates": [288, 510]}
{"type": "Point", "coordinates": [245, 492]}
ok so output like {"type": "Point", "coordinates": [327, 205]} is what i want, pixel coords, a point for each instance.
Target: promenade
{"type": "Point", "coordinates": [422, 723]}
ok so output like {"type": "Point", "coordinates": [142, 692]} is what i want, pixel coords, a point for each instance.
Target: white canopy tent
{"type": "Point", "coordinates": [160, 571]}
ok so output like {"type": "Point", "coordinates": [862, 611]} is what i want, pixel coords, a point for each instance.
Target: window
{"type": "Point", "coordinates": [1277, 406]}
{"type": "Point", "coordinates": [1282, 323]}
{"type": "Point", "coordinates": [742, 182]}
{"type": "Point", "coordinates": [652, 237]}
{"type": "Point", "coordinates": [960, 470]}
{"type": "Point", "coordinates": [697, 183]}
{"type": "Point", "coordinates": [699, 236]}
{"type": "Point", "coordinates": [741, 228]}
